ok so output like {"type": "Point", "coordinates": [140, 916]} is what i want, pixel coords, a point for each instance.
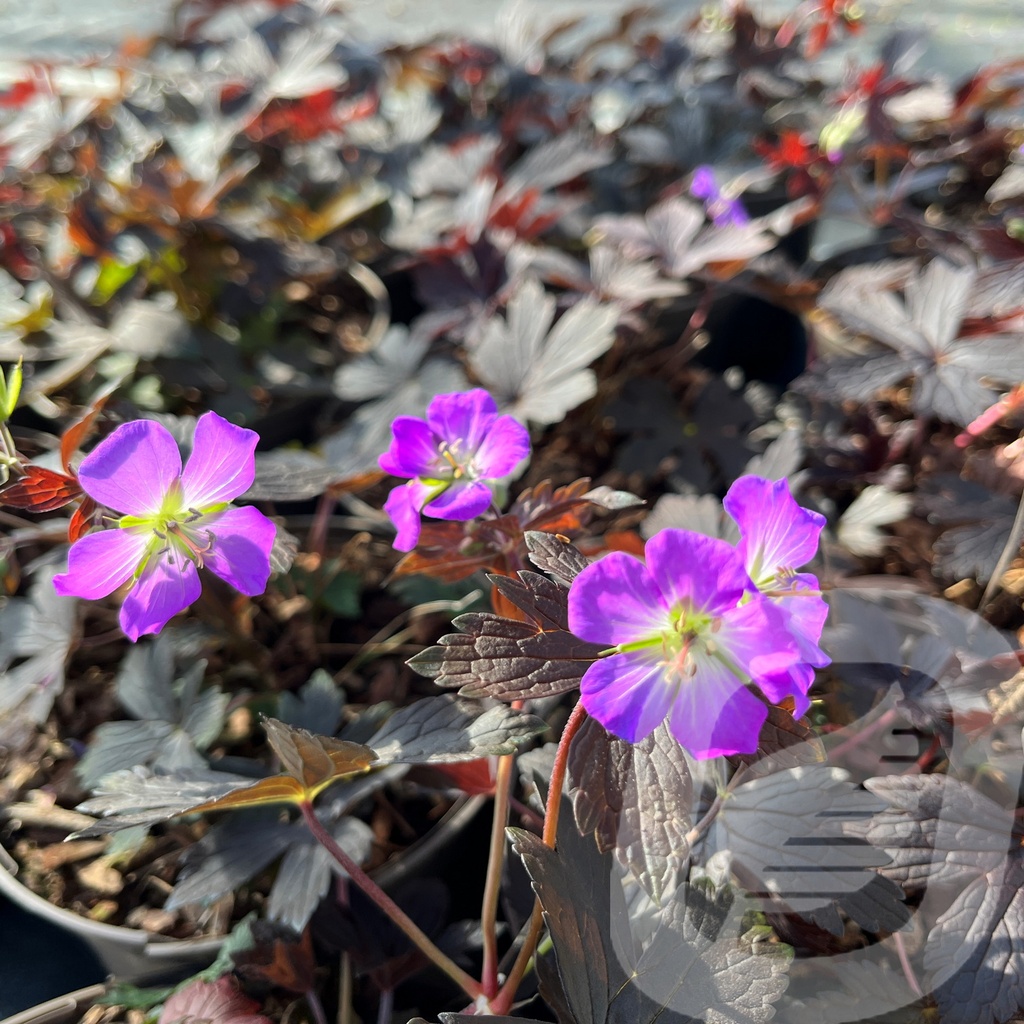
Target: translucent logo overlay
{"type": "Point", "coordinates": [893, 866]}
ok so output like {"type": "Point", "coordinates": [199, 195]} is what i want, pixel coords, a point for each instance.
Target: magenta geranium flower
{"type": "Point", "coordinates": [722, 210]}
{"type": "Point", "coordinates": [777, 536]}
{"type": "Point", "coordinates": [449, 457]}
{"type": "Point", "coordinates": [173, 521]}
{"type": "Point", "coordinates": [689, 631]}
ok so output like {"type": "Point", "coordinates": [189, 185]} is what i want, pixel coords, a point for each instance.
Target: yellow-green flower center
{"type": "Point", "coordinates": [177, 530]}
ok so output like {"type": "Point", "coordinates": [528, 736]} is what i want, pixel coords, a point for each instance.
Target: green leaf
{"type": "Point", "coordinates": [113, 276]}
{"type": "Point", "coordinates": [134, 998]}
{"type": "Point", "coordinates": [341, 595]}
{"type": "Point", "coordinates": [10, 390]}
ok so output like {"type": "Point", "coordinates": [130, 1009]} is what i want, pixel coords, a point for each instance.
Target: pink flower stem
{"type": "Point", "coordinates": [317, 540]}
{"type": "Point", "coordinates": [411, 930]}
{"type": "Point", "coordinates": [316, 1008]}
{"type": "Point", "coordinates": [495, 863]}
{"type": "Point", "coordinates": [502, 1002]}
{"type": "Point", "coordinates": [528, 814]}
{"type": "Point", "coordinates": [908, 969]}
{"type": "Point", "coordinates": [858, 738]}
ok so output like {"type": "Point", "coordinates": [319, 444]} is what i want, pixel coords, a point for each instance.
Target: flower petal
{"type": "Point", "coordinates": [506, 444]}
{"type": "Point", "coordinates": [774, 530]}
{"type": "Point", "coordinates": [413, 451]}
{"type": "Point", "coordinates": [460, 501]}
{"type": "Point", "coordinates": [464, 416]}
{"type": "Point", "coordinates": [168, 584]}
{"type": "Point", "coordinates": [403, 506]}
{"type": "Point", "coordinates": [615, 601]}
{"type": "Point", "coordinates": [222, 464]}
{"type": "Point", "coordinates": [805, 618]}
{"type": "Point", "coordinates": [703, 184]}
{"type": "Point", "coordinates": [689, 566]}
{"type": "Point", "coordinates": [793, 683]}
{"type": "Point", "coordinates": [242, 541]}
{"type": "Point", "coordinates": [755, 639]}
{"type": "Point", "coordinates": [715, 714]}
{"type": "Point", "coordinates": [132, 470]}
{"type": "Point", "coordinates": [101, 562]}
{"type": "Point", "coordinates": [628, 694]}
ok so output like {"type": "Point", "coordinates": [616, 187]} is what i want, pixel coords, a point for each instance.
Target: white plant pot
{"type": "Point", "coordinates": [62, 1010]}
{"type": "Point", "coordinates": [133, 955]}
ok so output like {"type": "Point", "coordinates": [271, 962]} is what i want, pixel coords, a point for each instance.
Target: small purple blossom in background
{"type": "Point", "coordinates": [173, 521]}
{"type": "Point", "coordinates": [690, 631]}
{"type": "Point", "coordinates": [448, 457]}
{"type": "Point", "coordinates": [722, 210]}
{"type": "Point", "coordinates": [777, 536]}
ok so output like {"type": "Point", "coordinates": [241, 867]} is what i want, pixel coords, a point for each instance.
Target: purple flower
{"type": "Point", "coordinates": [462, 443]}
{"type": "Point", "coordinates": [173, 521]}
{"type": "Point", "coordinates": [722, 210]}
{"type": "Point", "coordinates": [689, 631]}
{"type": "Point", "coordinates": [777, 536]}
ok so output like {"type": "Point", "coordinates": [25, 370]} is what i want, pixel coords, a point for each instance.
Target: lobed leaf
{"type": "Point", "coordinates": [539, 374]}
{"type": "Point", "coordinates": [556, 556]}
{"type": "Point", "coordinates": [509, 659]}
{"type": "Point", "coordinates": [636, 799]}
{"type": "Point", "coordinates": [632, 963]}
{"type": "Point", "coordinates": [445, 730]}
{"type": "Point", "coordinates": [785, 836]}
{"type": "Point", "coordinates": [976, 949]}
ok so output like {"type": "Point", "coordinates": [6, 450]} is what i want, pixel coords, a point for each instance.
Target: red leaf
{"type": "Point", "coordinates": [81, 521]}
{"type": "Point", "coordinates": [72, 438]}
{"type": "Point", "coordinates": [41, 490]}
{"type": "Point", "coordinates": [217, 1002]}
{"type": "Point", "coordinates": [472, 777]}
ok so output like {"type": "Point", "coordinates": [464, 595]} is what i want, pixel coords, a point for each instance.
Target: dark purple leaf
{"type": "Point", "coordinates": [936, 830]}
{"type": "Point", "coordinates": [978, 945]}
{"type": "Point", "coordinates": [951, 372]}
{"type": "Point", "coordinates": [445, 730]}
{"type": "Point", "coordinates": [622, 963]}
{"type": "Point", "coordinates": [700, 447]}
{"type": "Point", "coordinates": [137, 796]}
{"type": "Point", "coordinates": [675, 232]}
{"type": "Point", "coordinates": [636, 799]}
{"type": "Point", "coordinates": [784, 833]}
{"type": "Point", "coordinates": [971, 550]}
{"type": "Point", "coordinates": [555, 556]}
{"type": "Point", "coordinates": [536, 371]}
{"type": "Point", "coordinates": [508, 659]}
{"type": "Point", "coordinates": [785, 742]}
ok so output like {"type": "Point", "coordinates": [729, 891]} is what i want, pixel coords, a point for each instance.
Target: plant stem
{"type": "Point", "coordinates": [908, 970]}
{"type": "Point", "coordinates": [502, 1002]}
{"type": "Point", "coordinates": [495, 863]}
{"type": "Point", "coordinates": [316, 1008]}
{"type": "Point", "coordinates": [712, 812]}
{"type": "Point", "coordinates": [387, 1004]}
{"type": "Point", "coordinates": [345, 1014]}
{"type": "Point", "coordinates": [317, 538]}
{"type": "Point", "coordinates": [412, 931]}
{"type": "Point", "coordinates": [858, 739]}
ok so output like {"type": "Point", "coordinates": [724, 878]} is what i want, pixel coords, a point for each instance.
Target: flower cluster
{"type": "Point", "coordinates": [448, 458]}
{"type": "Point", "coordinates": [697, 622]}
{"type": "Point", "coordinates": [172, 521]}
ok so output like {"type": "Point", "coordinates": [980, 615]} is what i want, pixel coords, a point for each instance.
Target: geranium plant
{"type": "Point", "coordinates": [614, 430]}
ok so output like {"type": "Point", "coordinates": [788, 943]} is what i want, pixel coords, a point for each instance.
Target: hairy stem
{"type": "Point", "coordinates": [409, 927]}
{"type": "Point", "coordinates": [502, 1002]}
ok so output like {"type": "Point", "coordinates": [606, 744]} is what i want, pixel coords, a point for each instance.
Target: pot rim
{"type": "Point", "coordinates": [157, 946]}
